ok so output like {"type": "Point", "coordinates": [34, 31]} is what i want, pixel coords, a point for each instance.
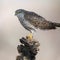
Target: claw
{"type": "Point", "coordinates": [29, 37]}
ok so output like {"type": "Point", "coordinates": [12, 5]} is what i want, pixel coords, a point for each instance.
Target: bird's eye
{"type": "Point", "coordinates": [18, 11]}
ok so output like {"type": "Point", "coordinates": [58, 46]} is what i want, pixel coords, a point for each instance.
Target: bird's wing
{"type": "Point", "coordinates": [38, 21]}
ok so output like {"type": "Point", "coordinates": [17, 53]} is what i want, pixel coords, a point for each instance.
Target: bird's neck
{"type": "Point", "coordinates": [20, 16]}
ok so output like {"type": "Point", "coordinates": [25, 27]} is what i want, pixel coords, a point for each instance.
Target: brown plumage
{"type": "Point", "coordinates": [40, 22]}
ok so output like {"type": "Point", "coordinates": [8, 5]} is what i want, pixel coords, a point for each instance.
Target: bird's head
{"type": "Point", "coordinates": [19, 11]}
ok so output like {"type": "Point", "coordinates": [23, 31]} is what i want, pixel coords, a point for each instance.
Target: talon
{"type": "Point", "coordinates": [29, 37]}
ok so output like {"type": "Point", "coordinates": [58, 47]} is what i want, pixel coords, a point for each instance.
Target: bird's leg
{"type": "Point", "coordinates": [29, 36]}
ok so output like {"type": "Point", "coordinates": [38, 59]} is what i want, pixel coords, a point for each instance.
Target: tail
{"type": "Point", "coordinates": [56, 24]}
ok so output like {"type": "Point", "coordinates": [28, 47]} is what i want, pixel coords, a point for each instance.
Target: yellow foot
{"type": "Point", "coordinates": [29, 37]}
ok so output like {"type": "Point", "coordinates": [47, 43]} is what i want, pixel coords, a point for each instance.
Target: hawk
{"type": "Point", "coordinates": [31, 20]}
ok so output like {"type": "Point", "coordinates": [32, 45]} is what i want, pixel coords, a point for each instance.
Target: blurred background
{"type": "Point", "coordinates": [11, 30]}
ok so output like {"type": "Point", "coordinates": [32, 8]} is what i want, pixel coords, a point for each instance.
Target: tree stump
{"type": "Point", "coordinates": [28, 49]}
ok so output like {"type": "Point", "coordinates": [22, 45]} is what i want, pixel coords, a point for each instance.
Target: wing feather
{"type": "Point", "coordinates": [38, 21]}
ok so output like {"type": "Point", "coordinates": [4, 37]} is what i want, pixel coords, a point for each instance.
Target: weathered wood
{"type": "Point", "coordinates": [28, 49]}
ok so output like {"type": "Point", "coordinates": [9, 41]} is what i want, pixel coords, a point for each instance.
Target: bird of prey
{"type": "Point", "coordinates": [31, 20]}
